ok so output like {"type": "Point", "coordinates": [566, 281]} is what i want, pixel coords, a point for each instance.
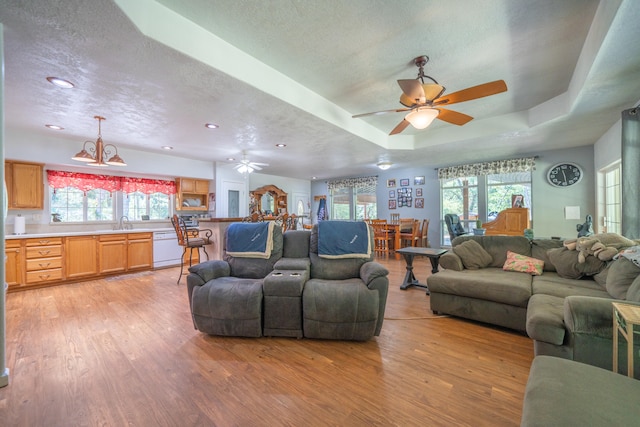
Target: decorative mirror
{"type": "Point", "coordinates": [268, 198]}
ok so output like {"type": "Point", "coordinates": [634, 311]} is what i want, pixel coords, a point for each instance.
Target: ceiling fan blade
{"type": "Point", "coordinates": [474, 92]}
{"type": "Point", "coordinates": [255, 167]}
{"type": "Point", "coordinates": [413, 92]}
{"type": "Point", "coordinates": [401, 126]}
{"type": "Point", "coordinates": [377, 113]}
{"type": "Point", "coordinates": [259, 164]}
{"type": "Point", "coordinates": [453, 117]}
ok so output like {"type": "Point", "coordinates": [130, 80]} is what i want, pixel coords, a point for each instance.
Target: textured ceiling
{"type": "Point", "coordinates": [294, 72]}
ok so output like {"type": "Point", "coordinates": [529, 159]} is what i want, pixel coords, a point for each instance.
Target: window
{"type": "Point", "coordinates": [155, 205]}
{"type": "Point", "coordinates": [500, 189]}
{"type": "Point", "coordinates": [479, 191]}
{"type": "Point", "coordinates": [80, 197]}
{"type": "Point", "coordinates": [460, 197]}
{"type": "Point", "coordinates": [612, 199]}
{"type": "Point", "coordinates": [69, 204]}
{"type": "Point", "coordinates": [353, 199]}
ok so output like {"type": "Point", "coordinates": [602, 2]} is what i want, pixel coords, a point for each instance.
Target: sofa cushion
{"type": "Point", "coordinates": [622, 273]}
{"type": "Point", "coordinates": [539, 248]}
{"type": "Point", "coordinates": [633, 294]}
{"type": "Point", "coordinates": [567, 265]}
{"type": "Point", "coordinates": [552, 284]}
{"type": "Point", "coordinates": [473, 255]}
{"type": "Point", "coordinates": [490, 284]}
{"type": "Point", "coordinates": [562, 392]}
{"type": "Point", "coordinates": [545, 319]}
{"type": "Point", "coordinates": [523, 264]}
{"type": "Point", "coordinates": [497, 246]}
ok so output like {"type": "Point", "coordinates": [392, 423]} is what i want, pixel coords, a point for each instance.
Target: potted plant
{"type": "Point", "coordinates": [478, 231]}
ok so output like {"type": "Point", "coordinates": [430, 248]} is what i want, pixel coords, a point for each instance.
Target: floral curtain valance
{"type": "Point", "coordinates": [353, 182]}
{"type": "Point", "coordinates": [85, 182]}
{"type": "Point", "coordinates": [524, 164]}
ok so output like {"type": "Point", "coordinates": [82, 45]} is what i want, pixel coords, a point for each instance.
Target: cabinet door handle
{"type": "Point", "coordinates": [44, 276]}
{"type": "Point", "coordinates": [44, 252]}
{"type": "Point", "coordinates": [43, 242]}
{"type": "Point", "coordinates": [43, 265]}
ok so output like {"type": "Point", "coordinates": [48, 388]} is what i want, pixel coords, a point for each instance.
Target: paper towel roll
{"type": "Point", "coordinates": [18, 226]}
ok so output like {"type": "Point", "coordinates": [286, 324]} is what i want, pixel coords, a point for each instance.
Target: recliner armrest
{"type": "Point", "coordinates": [209, 270]}
{"type": "Point", "coordinates": [372, 270]}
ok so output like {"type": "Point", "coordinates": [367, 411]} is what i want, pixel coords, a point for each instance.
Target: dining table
{"type": "Point", "coordinates": [395, 230]}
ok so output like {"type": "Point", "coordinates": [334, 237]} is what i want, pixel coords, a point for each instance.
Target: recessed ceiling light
{"type": "Point", "coordinates": [166, 147]}
{"type": "Point", "coordinates": [281, 145]}
{"type": "Point", "coordinates": [231, 159]}
{"type": "Point", "coordinates": [313, 177]}
{"type": "Point", "coordinates": [65, 84]}
{"type": "Point", "coordinates": [211, 126]}
{"type": "Point", "coordinates": [54, 127]}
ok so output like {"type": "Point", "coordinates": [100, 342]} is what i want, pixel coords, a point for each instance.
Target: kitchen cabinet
{"type": "Point", "coordinates": [192, 194]}
{"type": "Point", "coordinates": [25, 187]}
{"type": "Point", "coordinates": [112, 253]}
{"type": "Point", "coordinates": [43, 259]}
{"type": "Point", "coordinates": [81, 256]}
{"type": "Point", "coordinates": [139, 251]}
{"type": "Point", "coordinates": [14, 261]}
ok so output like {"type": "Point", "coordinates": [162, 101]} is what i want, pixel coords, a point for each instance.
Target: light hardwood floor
{"type": "Point", "coordinates": [123, 351]}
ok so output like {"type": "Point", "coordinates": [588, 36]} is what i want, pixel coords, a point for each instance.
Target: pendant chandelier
{"type": "Point", "coordinates": [94, 153]}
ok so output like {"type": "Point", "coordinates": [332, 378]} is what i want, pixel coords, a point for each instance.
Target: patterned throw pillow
{"type": "Point", "coordinates": [523, 264]}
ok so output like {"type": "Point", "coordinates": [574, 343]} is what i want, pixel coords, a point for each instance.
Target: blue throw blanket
{"type": "Point", "coordinates": [343, 239]}
{"type": "Point", "coordinates": [250, 239]}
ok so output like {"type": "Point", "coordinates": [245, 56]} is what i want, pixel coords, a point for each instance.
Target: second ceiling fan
{"type": "Point", "coordinates": [424, 101]}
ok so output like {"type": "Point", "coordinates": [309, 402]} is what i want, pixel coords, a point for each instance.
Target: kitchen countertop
{"type": "Point", "coordinates": [84, 233]}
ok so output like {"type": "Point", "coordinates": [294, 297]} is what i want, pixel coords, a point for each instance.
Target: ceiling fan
{"type": "Point", "coordinates": [245, 166]}
{"type": "Point", "coordinates": [424, 101]}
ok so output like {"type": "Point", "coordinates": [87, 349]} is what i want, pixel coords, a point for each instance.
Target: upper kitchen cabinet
{"type": "Point", "coordinates": [192, 194]}
{"type": "Point", "coordinates": [25, 187]}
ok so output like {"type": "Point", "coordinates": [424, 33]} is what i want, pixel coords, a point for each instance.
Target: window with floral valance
{"type": "Point", "coordinates": [353, 198]}
{"type": "Point", "coordinates": [524, 164]}
{"type": "Point", "coordinates": [86, 182]}
{"type": "Point", "coordinates": [365, 181]}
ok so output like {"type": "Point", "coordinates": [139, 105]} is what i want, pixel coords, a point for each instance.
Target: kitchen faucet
{"type": "Point", "coordinates": [122, 225]}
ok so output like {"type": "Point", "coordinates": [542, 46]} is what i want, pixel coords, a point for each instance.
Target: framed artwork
{"type": "Point", "coordinates": [391, 183]}
{"type": "Point", "coordinates": [517, 201]}
{"type": "Point", "coordinates": [392, 204]}
{"type": "Point", "coordinates": [404, 182]}
{"type": "Point", "coordinates": [392, 194]}
{"type": "Point", "coordinates": [419, 203]}
{"type": "Point", "coordinates": [418, 192]}
{"type": "Point", "coordinates": [418, 180]}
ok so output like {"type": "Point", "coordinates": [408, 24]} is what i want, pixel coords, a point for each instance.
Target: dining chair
{"type": "Point", "coordinates": [424, 231]}
{"type": "Point", "coordinates": [381, 238]}
{"type": "Point", "coordinates": [190, 238]}
{"type": "Point", "coordinates": [410, 237]}
{"type": "Point", "coordinates": [395, 218]}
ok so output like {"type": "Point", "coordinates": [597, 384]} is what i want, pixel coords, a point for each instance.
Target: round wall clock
{"type": "Point", "coordinates": [564, 174]}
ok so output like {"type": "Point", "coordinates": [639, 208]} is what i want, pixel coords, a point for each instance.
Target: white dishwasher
{"type": "Point", "coordinates": [166, 250]}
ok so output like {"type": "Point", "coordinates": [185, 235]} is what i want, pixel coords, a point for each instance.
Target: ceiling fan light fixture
{"type": "Point", "coordinates": [384, 165]}
{"type": "Point", "coordinates": [420, 118]}
{"type": "Point", "coordinates": [245, 169]}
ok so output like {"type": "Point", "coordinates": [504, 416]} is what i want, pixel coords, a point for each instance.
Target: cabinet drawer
{"type": "Point", "coordinates": [44, 275]}
{"type": "Point", "coordinates": [44, 241]}
{"type": "Point", "coordinates": [112, 237]}
{"type": "Point", "coordinates": [43, 251]}
{"type": "Point", "coordinates": [44, 263]}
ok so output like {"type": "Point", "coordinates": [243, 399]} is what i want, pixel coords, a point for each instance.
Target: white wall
{"type": "Point", "coordinates": [608, 149]}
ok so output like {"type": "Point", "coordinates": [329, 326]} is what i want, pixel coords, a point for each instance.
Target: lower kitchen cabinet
{"type": "Point", "coordinates": [81, 256]}
{"type": "Point", "coordinates": [14, 263]}
{"type": "Point", "coordinates": [112, 253]}
{"type": "Point", "coordinates": [43, 259]}
{"type": "Point", "coordinates": [140, 251]}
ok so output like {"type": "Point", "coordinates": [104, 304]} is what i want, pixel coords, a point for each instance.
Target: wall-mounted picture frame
{"type": "Point", "coordinates": [418, 192]}
{"type": "Point", "coordinates": [404, 182]}
{"type": "Point", "coordinates": [392, 204]}
{"type": "Point", "coordinates": [418, 180]}
{"type": "Point", "coordinates": [391, 182]}
{"type": "Point", "coordinates": [419, 203]}
{"type": "Point", "coordinates": [392, 194]}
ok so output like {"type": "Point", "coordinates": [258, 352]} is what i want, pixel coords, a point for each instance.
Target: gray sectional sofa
{"type": "Point", "coordinates": [566, 310]}
{"type": "Point", "coordinates": [294, 293]}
